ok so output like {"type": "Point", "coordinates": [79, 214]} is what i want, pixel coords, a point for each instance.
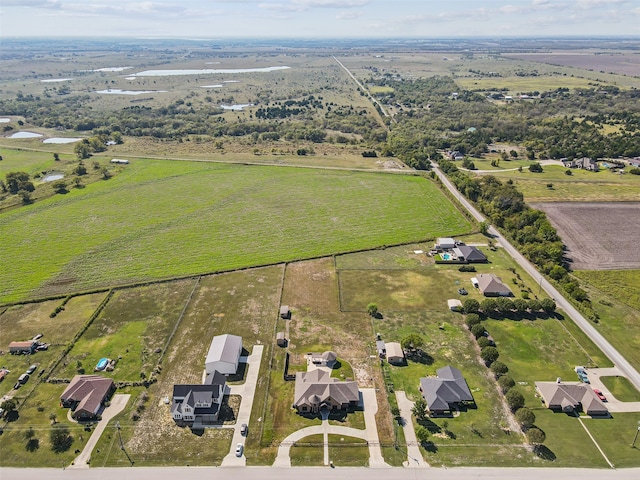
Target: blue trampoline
{"type": "Point", "coordinates": [102, 364]}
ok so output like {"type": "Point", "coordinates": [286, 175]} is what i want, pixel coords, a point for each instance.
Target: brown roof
{"type": "Point", "coordinates": [89, 391]}
{"type": "Point", "coordinates": [316, 386]}
{"type": "Point", "coordinates": [573, 395]}
{"type": "Point", "coordinates": [492, 284]}
{"type": "Point", "coordinates": [27, 344]}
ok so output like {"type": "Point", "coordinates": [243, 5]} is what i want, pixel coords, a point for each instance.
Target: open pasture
{"type": "Point", "coordinates": [621, 63]}
{"type": "Point", "coordinates": [598, 236]}
{"type": "Point", "coordinates": [193, 218]}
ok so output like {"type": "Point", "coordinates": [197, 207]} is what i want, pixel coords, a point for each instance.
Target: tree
{"type": "Point", "coordinates": [525, 417]}
{"type": "Point", "coordinates": [488, 305]}
{"type": "Point", "coordinates": [32, 443]}
{"type": "Point", "coordinates": [419, 409]}
{"type": "Point", "coordinates": [499, 369]}
{"type": "Point", "coordinates": [372, 309]}
{"type": "Point", "coordinates": [53, 418]}
{"type": "Point", "coordinates": [9, 405]}
{"type": "Point", "coordinates": [484, 342]}
{"type": "Point", "coordinates": [80, 169]}
{"type": "Point", "coordinates": [60, 439]}
{"type": "Point", "coordinates": [60, 186]}
{"type": "Point", "coordinates": [29, 434]}
{"type": "Point", "coordinates": [535, 168]}
{"type": "Point", "coordinates": [506, 383]}
{"type": "Point", "coordinates": [489, 355]}
{"type": "Point", "coordinates": [26, 197]}
{"type": "Point", "coordinates": [504, 305]}
{"type": "Point", "coordinates": [422, 434]}
{"type": "Point", "coordinates": [478, 330]}
{"type": "Point", "coordinates": [520, 305]}
{"type": "Point", "coordinates": [413, 341]}
{"type": "Point", "coordinates": [548, 305]}
{"type": "Point", "coordinates": [82, 149]}
{"type": "Point", "coordinates": [471, 305]}
{"type": "Point", "coordinates": [513, 154]}
{"type": "Point", "coordinates": [535, 305]}
{"type": "Point", "coordinates": [17, 181]}
{"type": "Point", "coordinates": [484, 228]}
{"type": "Point", "coordinates": [535, 436]}
{"type": "Point", "coordinates": [515, 400]}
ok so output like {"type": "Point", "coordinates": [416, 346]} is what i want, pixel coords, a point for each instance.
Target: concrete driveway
{"type": "Point", "coordinates": [118, 402]}
{"type": "Point", "coordinates": [247, 392]}
{"type": "Point", "coordinates": [613, 404]}
{"type": "Point", "coordinates": [413, 447]}
{"type": "Point", "coordinates": [370, 434]}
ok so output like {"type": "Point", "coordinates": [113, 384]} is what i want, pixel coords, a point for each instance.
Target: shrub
{"type": "Point", "coordinates": [467, 268]}
{"type": "Point", "coordinates": [472, 320]}
{"type": "Point", "coordinates": [535, 168]}
{"type": "Point", "coordinates": [506, 383]}
{"type": "Point", "coordinates": [489, 354]}
{"type": "Point", "coordinates": [499, 369]}
{"type": "Point", "coordinates": [484, 342]}
{"type": "Point", "coordinates": [471, 305]}
{"type": "Point", "coordinates": [515, 399]}
{"type": "Point", "coordinates": [525, 417]}
{"type": "Point", "coordinates": [478, 330]}
{"type": "Point", "coordinates": [536, 436]}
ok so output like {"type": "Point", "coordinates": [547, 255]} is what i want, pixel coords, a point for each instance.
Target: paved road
{"type": "Point", "coordinates": [414, 454]}
{"type": "Point", "coordinates": [118, 402]}
{"type": "Point", "coordinates": [613, 404]}
{"type": "Point", "coordinates": [318, 473]}
{"type": "Point", "coordinates": [584, 324]}
{"type": "Point", "coordinates": [247, 391]}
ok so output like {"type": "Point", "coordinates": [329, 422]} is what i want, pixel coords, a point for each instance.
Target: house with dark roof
{"type": "Point", "coordinates": [571, 397]}
{"type": "Point", "coordinates": [224, 354]}
{"type": "Point", "coordinates": [316, 390]}
{"type": "Point", "coordinates": [465, 253]}
{"type": "Point", "coordinates": [198, 405]}
{"type": "Point", "coordinates": [492, 286]}
{"type": "Point", "coordinates": [446, 391]}
{"type": "Point", "coordinates": [86, 394]}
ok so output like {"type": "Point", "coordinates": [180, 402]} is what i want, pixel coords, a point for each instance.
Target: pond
{"type": "Point", "coordinates": [55, 80]}
{"type": "Point", "coordinates": [52, 177]}
{"type": "Point", "coordinates": [212, 86]}
{"type": "Point", "coordinates": [25, 135]}
{"type": "Point", "coordinates": [206, 71]}
{"type": "Point", "coordinates": [60, 140]}
{"type": "Point", "coordinates": [237, 107]}
{"type": "Point", "coordinates": [117, 91]}
{"type": "Point", "coordinates": [5, 120]}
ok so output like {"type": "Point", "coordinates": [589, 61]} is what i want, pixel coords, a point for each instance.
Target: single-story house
{"type": "Point", "coordinates": [285, 312]}
{"type": "Point", "coordinates": [198, 405]}
{"type": "Point", "coordinates": [23, 347]}
{"type": "Point", "coordinates": [120, 161]}
{"type": "Point", "coordinates": [570, 397]}
{"type": "Point", "coordinates": [465, 253]}
{"type": "Point", "coordinates": [316, 390]}
{"type": "Point", "coordinates": [445, 391]}
{"type": "Point", "coordinates": [584, 163]}
{"type": "Point", "coordinates": [224, 354]}
{"type": "Point", "coordinates": [280, 340]}
{"type": "Point", "coordinates": [86, 394]}
{"type": "Point", "coordinates": [492, 286]}
{"type": "Point", "coordinates": [445, 244]}
{"type": "Point", "coordinates": [395, 354]}
{"type": "Point", "coordinates": [635, 162]}
{"type": "Point", "coordinates": [381, 348]}
{"type": "Point", "coordinates": [454, 305]}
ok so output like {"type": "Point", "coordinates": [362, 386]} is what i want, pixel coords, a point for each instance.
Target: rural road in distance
{"type": "Point", "coordinates": [584, 324]}
{"type": "Point", "coordinates": [318, 473]}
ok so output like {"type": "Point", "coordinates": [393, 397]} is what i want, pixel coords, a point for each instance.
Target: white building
{"type": "Point", "coordinates": [224, 354]}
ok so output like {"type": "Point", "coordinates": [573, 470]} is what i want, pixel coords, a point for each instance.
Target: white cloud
{"type": "Point", "coordinates": [348, 15]}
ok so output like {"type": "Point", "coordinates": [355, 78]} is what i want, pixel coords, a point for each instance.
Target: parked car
{"type": "Point", "coordinates": [599, 394]}
{"type": "Point", "coordinates": [24, 378]}
{"type": "Point", "coordinates": [462, 291]}
{"type": "Point", "coordinates": [32, 369]}
{"type": "Point", "coordinates": [583, 377]}
{"type": "Point", "coordinates": [17, 385]}
{"type": "Point", "coordinates": [239, 449]}
{"type": "Point", "coordinates": [244, 429]}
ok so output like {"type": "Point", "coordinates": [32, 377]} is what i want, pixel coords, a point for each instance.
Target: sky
{"type": "Point", "coordinates": [319, 18]}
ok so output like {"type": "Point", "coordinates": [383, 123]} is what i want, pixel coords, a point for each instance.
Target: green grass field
{"type": "Point", "coordinates": [621, 388]}
{"type": "Point", "coordinates": [159, 219]}
{"type": "Point", "coordinates": [623, 285]}
{"type": "Point", "coordinates": [517, 84]}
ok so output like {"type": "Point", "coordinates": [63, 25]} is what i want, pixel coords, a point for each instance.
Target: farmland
{"type": "Point", "coordinates": [188, 214]}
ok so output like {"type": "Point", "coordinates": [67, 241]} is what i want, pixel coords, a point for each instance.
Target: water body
{"type": "Point", "coordinates": [52, 177]}
{"type": "Point", "coordinates": [61, 140]}
{"type": "Point", "coordinates": [25, 135]}
{"type": "Point", "coordinates": [110, 69]}
{"type": "Point", "coordinates": [212, 86]}
{"type": "Point", "coordinates": [117, 91]}
{"type": "Point", "coordinates": [237, 107]}
{"type": "Point", "coordinates": [5, 120]}
{"type": "Point", "coordinates": [55, 80]}
{"type": "Point", "coordinates": [206, 71]}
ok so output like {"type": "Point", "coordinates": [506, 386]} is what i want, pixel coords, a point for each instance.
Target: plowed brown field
{"type": "Point", "coordinates": [598, 236]}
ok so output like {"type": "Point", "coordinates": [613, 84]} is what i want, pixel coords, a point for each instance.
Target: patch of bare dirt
{"type": "Point", "coordinates": [598, 236]}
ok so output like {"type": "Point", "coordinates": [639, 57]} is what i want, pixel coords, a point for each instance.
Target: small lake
{"type": "Point", "coordinates": [111, 69]}
{"type": "Point", "coordinates": [25, 135]}
{"type": "Point", "coordinates": [237, 107]}
{"type": "Point", "coordinates": [212, 86]}
{"type": "Point", "coordinates": [206, 71]}
{"type": "Point", "coordinates": [52, 177]}
{"type": "Point", "coordinates": [55, 80]}
{"type": "Point", "coordinates": [5, 120]}
{"type": "Point", "coordinates": [117, 91]}
{"type": "Point", "coordinates": [61, 140]}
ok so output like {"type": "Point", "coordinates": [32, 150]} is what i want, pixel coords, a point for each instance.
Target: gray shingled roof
{"type": "Point", "coordinates": [448, 388]}
{"type": "Point", "coordinates": [489, 283]}
{"type": "Point", "coordinates": [470, 254]}
{"type": "Point", "coordinates": [317, 386]}
{"type": "Point", "coordinates": [571, 396]}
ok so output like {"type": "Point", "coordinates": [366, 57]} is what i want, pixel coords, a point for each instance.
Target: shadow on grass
{"type": "Point", "coordinates": [543, 452]}
{"type": "Point", "coordinates": [419, 356]}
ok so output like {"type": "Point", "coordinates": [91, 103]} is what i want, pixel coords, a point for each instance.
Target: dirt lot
{"type": "Point", "coordinates": [598, 236]}
{"type": "Point", "coordinates": [611, 63]}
